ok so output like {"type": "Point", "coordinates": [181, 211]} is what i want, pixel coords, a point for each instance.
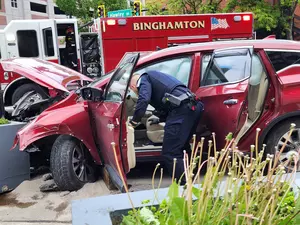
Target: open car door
{"type": "Point", "coordinates": [108, 124]}
{"type": "Point", "coordinates": [223, 89]}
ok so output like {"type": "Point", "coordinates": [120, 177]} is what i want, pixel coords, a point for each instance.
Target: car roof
{"type": "Point", "coordinates": [209, 46]}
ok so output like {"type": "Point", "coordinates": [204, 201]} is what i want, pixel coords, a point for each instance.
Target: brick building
{"type": "Point", "coordinates": [28, 9]}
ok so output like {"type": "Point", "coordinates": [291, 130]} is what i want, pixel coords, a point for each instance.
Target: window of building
{"type": "Point", "coordinates": [282, 59]}
{"type": "Point", "coordinates": [48, 42]}
{"type": "Point", "coordinates": [14, 3]}
{"type": "Point", "coordinates": [27, 43]}
{"type": "Point", "coordinates": [227, 68]}
{"type": "Point", "coordinates": [38, 7]}
{"type": "Point", "coordinates": [180, 68]}
{"type": "Point", "coordinates": [57, 11]}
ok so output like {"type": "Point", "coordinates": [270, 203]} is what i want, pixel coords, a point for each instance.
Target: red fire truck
{"type": "Point", "coordinates": [98, 52]}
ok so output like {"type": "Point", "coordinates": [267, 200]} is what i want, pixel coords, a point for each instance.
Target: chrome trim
{"type": "Point", "coordinates": [187, 37]}
{"type": "Point", "coordinates": [8, 86]}
{"type": "Point", "coordinates": [280, 50]}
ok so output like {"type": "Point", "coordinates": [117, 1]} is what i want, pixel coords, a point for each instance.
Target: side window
{"type": "Point", "coordinates": [281, 60]}
{"type": "Point", "coordinates": [27, 43]}
{"type": "Point", "coordinates": [48, 42]}
{"type": "Point", "coordinates": [224, 69]}
{"type": "Point", "coordinates": [180, 68]}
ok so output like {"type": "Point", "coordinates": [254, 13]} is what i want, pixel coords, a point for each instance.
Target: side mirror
{"type": "Point", "coordinates": [91, 94]}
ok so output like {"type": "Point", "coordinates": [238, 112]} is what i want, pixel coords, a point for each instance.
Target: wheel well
{"type": "Point", "coordinates": [45, 145]}
{"type": "Point", "coordinates": [273, 125]}
{"type": "Point", "coordinates": [13, 86]}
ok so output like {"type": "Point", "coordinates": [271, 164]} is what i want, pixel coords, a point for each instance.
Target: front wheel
{"type": "Point", "coordinates": [278, 136]}
{"type": "Point", "coordinates": [71, 164]}
{"type": "Point", "coordinates": [26, 88]}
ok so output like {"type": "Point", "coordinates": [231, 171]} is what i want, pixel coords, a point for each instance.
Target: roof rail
{"type": "Point", "coordinates": [273, 36]}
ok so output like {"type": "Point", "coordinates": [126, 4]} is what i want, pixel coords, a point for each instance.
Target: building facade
{"type": "Point", "coordinates": [28, 9]}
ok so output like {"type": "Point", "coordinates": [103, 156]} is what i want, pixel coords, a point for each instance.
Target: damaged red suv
{"type": "Point", "coordinates": [244, 85]}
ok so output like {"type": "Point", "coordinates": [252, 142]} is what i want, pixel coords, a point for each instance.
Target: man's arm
{"type": "Point", "coordinates": [145, 91]}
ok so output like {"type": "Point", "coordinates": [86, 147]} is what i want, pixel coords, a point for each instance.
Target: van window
{"type": "Point", "coordinates": [27, 43]}
{"type": "Point", "coordinates": [48, 42]}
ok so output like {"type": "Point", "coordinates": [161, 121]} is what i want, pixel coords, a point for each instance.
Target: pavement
{"type": "Point", "coordinates": [27, 205]}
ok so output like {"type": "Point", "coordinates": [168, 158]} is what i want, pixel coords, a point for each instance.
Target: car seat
{"type": "Point", "coordinates": [155, 132]}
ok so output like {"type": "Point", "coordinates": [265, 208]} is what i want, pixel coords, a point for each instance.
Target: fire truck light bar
{"type": "Point", "coordinates": [246, 18]}
{"type": "Point", "coordinates": [239, 18]}
{"type": "Point", "coordinates": [122, 22]}
{"type": "Point", "coordinates": [111, 22]}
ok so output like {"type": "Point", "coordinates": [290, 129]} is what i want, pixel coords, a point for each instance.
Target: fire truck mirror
{"type": "Point", "coordinates": [91, 94]}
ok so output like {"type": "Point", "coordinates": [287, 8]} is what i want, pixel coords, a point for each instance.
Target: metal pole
{"type": "Point", "coordinates": [2, 110]}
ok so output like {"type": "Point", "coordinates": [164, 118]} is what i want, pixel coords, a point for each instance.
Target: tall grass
{"type": "Point", "coordinates": [237, 189]}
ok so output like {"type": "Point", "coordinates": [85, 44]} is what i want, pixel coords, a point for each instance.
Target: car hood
{"type": "Point", "coordinates": [47, 74]}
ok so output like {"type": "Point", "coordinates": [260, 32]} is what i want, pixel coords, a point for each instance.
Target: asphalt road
{"type": "Point", "coordinates": [26, 205]}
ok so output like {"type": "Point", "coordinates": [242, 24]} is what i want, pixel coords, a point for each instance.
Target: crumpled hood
{"type": "Point", "coordinates": [44, 73]}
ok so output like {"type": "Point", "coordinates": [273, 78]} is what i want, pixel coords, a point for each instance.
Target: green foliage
{"type": "Point", "coordinates": [154, 8]}
{"type": "Point", "coordinates": [82, 8]}
{"type": "Point", "coordinates": [3, 121]}
{"type": "Point", "coordinates": [193, 6]}
{"type": "Point", "coordinates": [246, 196]}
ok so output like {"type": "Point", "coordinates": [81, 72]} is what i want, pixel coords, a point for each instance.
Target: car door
{"type": "Point", "coordinates": [107, 122]}
{"type": "Point", "coordinates": [224, 80]}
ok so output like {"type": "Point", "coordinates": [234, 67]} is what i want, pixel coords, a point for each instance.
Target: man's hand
{"type": "Point", "coordinates": [133, 124]}
{"type": "Point", "coordinates": [154, 121]}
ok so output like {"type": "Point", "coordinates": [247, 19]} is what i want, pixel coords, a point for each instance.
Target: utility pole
{"type": "Point", "coordinates": [144, 6]}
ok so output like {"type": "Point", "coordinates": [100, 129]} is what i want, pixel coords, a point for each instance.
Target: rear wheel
{"type": "Point", "coordinates": [25, 88]}
{"type": "Point", "coordinates": [278, 136]}
{"type": "Point", "coordinates": [71, 164]}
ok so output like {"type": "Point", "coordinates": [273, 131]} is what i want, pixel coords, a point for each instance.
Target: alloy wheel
{"type": "Point", "coordinates": [291, 149]}
{"type": "Point", "coordinates": [80, 164]}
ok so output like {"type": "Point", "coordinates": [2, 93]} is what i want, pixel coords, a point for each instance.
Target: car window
{"type": "Point", "coordinates": [180, 68]}
{"type": "Point", "coordinates": [118, 85]}
{"type": "Point", "coordinates": [224, 69]}
{"type": "Point", "coordinates": [281, 59]}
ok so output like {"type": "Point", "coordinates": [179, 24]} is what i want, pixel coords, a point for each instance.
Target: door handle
{"type": "Point", "coordinates": [230, 102]}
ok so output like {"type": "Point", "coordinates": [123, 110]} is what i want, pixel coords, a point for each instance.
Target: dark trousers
{"type": "Point", "coordinates": [180, 126]}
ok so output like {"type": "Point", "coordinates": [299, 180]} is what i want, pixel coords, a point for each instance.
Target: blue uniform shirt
{"type": "Point", "coordinates": [152, 87]}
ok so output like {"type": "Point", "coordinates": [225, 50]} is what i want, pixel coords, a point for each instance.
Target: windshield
{"type": "Point", "coordinates": [97, 81]}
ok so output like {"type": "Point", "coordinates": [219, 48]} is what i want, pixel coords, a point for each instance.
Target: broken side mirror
{"type": "Point", "coordinates": [91, 94]}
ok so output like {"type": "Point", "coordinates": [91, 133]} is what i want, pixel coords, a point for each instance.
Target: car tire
{"type": "Point", "coordinates": [67, 173]}
{"type": "Point", "coordinates": [277, 134]}
{"type": "Point", "coordinates": [25, 88]}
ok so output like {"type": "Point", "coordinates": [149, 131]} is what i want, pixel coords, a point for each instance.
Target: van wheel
{"type": "Point", "coordinates": [25, 88]}
{"type": "Point", "coordinates": [71, 164]}
{"type": "Point", "coordinates": [277, 138]}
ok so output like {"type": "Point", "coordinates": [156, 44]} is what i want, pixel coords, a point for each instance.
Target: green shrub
{"type": "Point", "coordinates": [257, 190]}
{"type": "Point", "coordinates": [3, 121]}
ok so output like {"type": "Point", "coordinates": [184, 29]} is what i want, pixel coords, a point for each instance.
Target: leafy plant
{"type": "Point", "coordinates": [255, 190]}
{"type": "Point", "coordinates": [3, 121]}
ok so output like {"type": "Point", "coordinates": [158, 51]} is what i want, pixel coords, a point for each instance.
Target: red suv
{"type": "Point", "coordinates": [244, 85]}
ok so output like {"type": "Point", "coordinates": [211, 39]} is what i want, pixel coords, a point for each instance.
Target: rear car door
{"type": "Point", "coordinates": [107, 122]}
{"type": "Point", "coordinates": [224, 80]}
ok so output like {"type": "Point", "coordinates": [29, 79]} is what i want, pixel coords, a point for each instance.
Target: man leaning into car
{"type": "Point", "coordinates": [178, 108]}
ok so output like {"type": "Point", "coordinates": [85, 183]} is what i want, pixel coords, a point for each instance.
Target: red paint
{"type": "Point", "coordinates": [47, 74]}
{"type": "Point", "coordinates": [72, 116]}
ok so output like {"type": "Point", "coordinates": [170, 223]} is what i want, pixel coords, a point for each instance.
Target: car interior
{"type": "Point", "coordinates": [257, 93]}
{"type": "Point", "coordinates": [148, 137]}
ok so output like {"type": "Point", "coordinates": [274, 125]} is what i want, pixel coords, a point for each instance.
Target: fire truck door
{"type": "Point", "coordinates": [23, 40]}
{"type": "Point", "coordinates": [48, 35]}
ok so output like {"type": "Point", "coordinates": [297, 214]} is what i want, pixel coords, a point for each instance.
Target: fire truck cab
{"type": "Point", "coordinates": [54, 40]}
